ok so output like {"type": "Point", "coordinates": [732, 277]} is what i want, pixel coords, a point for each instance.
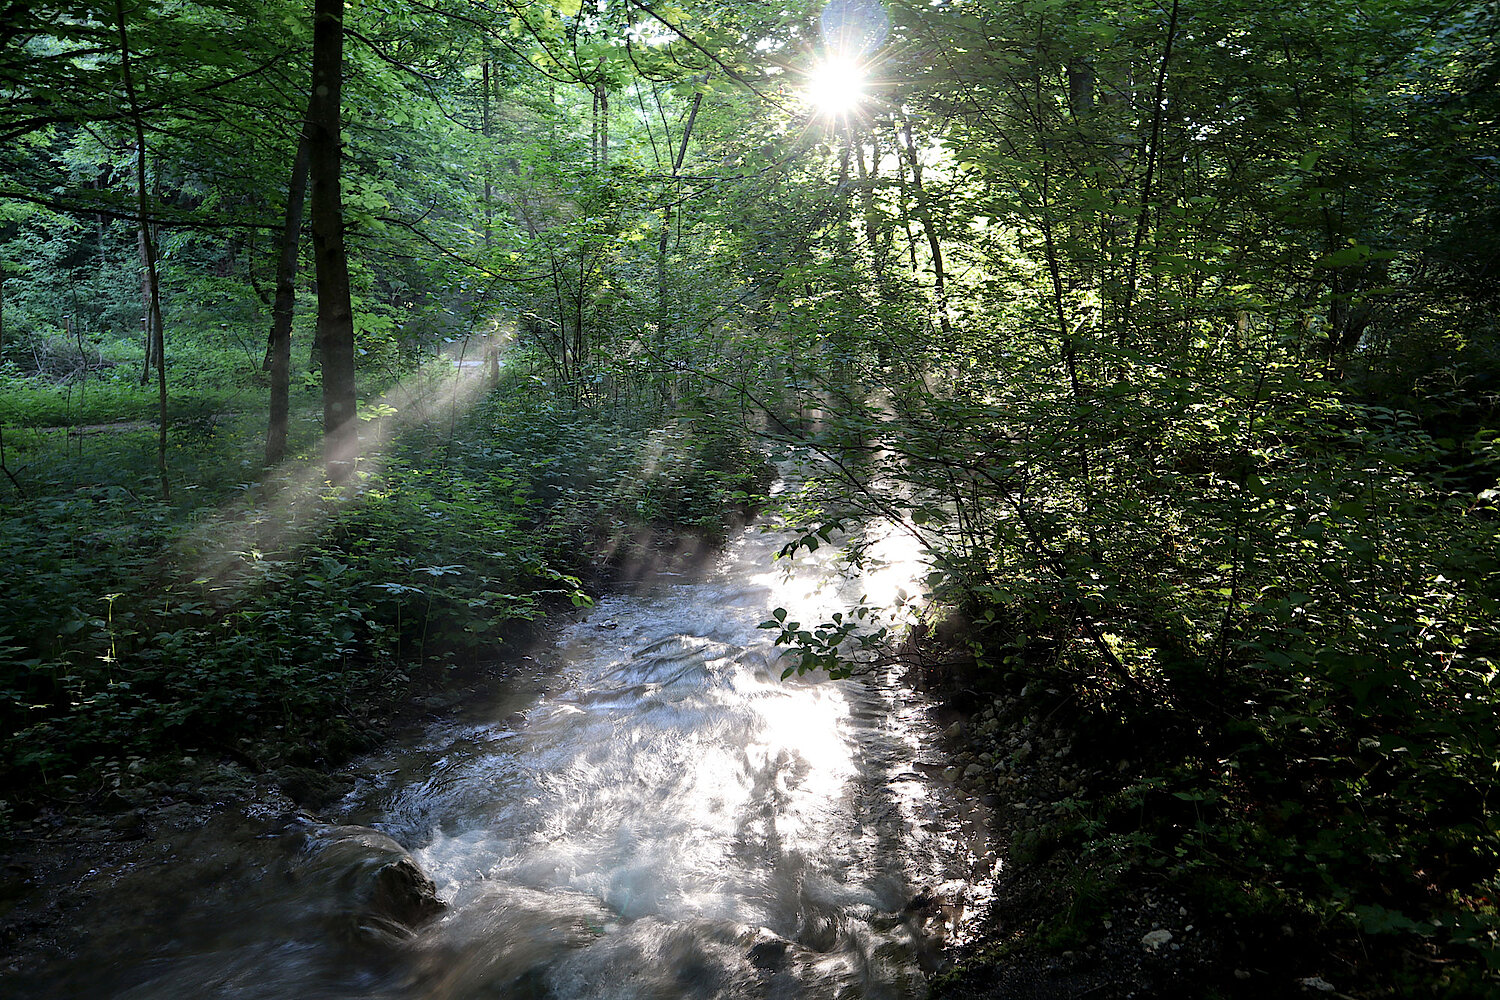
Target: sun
{"type": "Point", "coordinates": [836, 86]}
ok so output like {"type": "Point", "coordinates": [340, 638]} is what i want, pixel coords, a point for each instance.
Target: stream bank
{"type": "Point", "coordinates": [645, 790]}
{"type": "Point", "coordinates": [63, 855]}
{"type": "Point", "coordinates": [1057, 928]}
{"type": "Point", "coordinates": [1084, 907]}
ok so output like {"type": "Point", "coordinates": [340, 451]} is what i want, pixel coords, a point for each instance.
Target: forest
{"type": "Point", "coordinates": [343, 344]}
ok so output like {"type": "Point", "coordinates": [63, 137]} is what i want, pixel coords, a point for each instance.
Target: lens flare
{"type": "Point", "coordinates": [836, 86]}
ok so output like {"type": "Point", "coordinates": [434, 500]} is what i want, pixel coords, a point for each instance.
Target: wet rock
{"type": "Point", "coordinates": [937, 913]}
{"type": "Point", "coordinates": [405, 893]}
{"type": "Point", "coordinates": [442, 701]}
{"type": "Point", "coordinates": [372, 877]}
{"type": "Point", "coordinates": [769, 956]}
{"type": "Point", "coordinates": [131, 825]}
{"type": "Point", "coordinates": [311, 787]}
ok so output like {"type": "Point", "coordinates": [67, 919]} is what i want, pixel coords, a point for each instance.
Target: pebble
{"type": "Point", "coordinates": [1153, 940]}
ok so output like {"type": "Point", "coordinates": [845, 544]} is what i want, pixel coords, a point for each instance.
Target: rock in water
{"type": "Point", "coordinates": [404, 893]}
{"type": "Point", "coordinates": [367, 875]}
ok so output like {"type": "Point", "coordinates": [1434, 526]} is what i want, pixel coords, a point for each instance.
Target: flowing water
{"type": "Point", "coordinates": [648, 811]}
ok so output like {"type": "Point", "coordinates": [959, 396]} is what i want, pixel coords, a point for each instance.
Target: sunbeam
{"type": "Point", "coordinates": [284, 511]}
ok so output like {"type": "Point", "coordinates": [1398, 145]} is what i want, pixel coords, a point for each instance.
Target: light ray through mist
{"type": "Point", "coordinates": [285, 513]}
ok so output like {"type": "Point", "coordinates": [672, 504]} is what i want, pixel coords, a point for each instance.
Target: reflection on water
{"type": "Point", "coordinates": [668, 819]}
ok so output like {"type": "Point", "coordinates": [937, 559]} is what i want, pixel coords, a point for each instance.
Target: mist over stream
{"type": "Point", "coordinates": [646, 811]}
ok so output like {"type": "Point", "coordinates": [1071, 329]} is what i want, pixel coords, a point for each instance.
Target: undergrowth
{"type": "Point", "coordinates": [253, 612]}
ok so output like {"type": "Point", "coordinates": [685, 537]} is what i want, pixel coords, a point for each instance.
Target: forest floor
{"type": "Point", "coordinates": [1050, 932]}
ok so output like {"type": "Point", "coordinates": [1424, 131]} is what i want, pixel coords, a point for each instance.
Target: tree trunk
{"type": "Point", "coordinates": [903, 202]}
{"type": "Point", "coordinates": [484, 127]}
{"type": "Point", "coordinates": [1081, 84]}
{"type": "Point", "coordinates": [279, 351]}
{"type": "Point", "coordinates": [1153, 157]}
{"type": "Point", "coordinates": [335, 311]}
{"type": "Point", "coordinates": [868, 178]}
{"type": "Point", "coordinates": [148, 329]}
{"type": "Point", "coordinates": [924, 216]}
{"type": "Point", "coordinates": [663, 304]}
{"type": "Point", "coordinates": [155, 336]}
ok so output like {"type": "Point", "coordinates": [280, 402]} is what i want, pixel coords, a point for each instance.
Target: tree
{"type": "Point", "coordinates": [155, 342]}
{"type": "Point", "coordinates": [335, 312]}
{"type": "Point", "coordinates": [279, 345]}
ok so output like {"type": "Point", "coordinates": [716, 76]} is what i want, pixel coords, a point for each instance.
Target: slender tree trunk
{"type": "Point", "coordinates": [924, 216]}
{"type": "Point", "coordinates": [3, 467]}
{"type": "Point", "coordinates": [148, 329]}
{"type": "Point", "coordinates": [1070, 358]}
{"type": "Point", "coordinates": [1081, 83]}
{"type": "Point", "coordinates": [580, 344]}
{"type": "Point", "coordinates": [484, 128]}
{"type": "Point", "coordinates": [335, 311]}
{"type": "Point", "coordinates": [594, 130]}
{"type": "Point", "coordinates": [867, 180]}
{"type": "Point", "coordinates": [1153, 154]}
{"type": "Point", "coordinates": [153, 312]}
{"type": "Point", "coordinates": [903, 201]}
{"type": "Point", "coordinates": [279, 350]}
{"type": "Point", "coordinates": [20, 490]}
{"type": "Point", "coordinates": [663, 315]}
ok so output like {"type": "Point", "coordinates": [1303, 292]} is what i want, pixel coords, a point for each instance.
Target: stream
{"type": "Point", "coordinates": [646, 810]}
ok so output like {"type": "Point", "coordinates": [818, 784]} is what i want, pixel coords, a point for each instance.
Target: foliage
{"type": "Point", "coordinates": [258, 613]}
{"type": "Point", "coordinates": [1169, 331]}
{"type": "Point", "coordinates": [1154, 400]}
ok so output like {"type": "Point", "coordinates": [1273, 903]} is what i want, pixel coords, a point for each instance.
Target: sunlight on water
{"type": "Point", "coordinates": [674, 803]}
